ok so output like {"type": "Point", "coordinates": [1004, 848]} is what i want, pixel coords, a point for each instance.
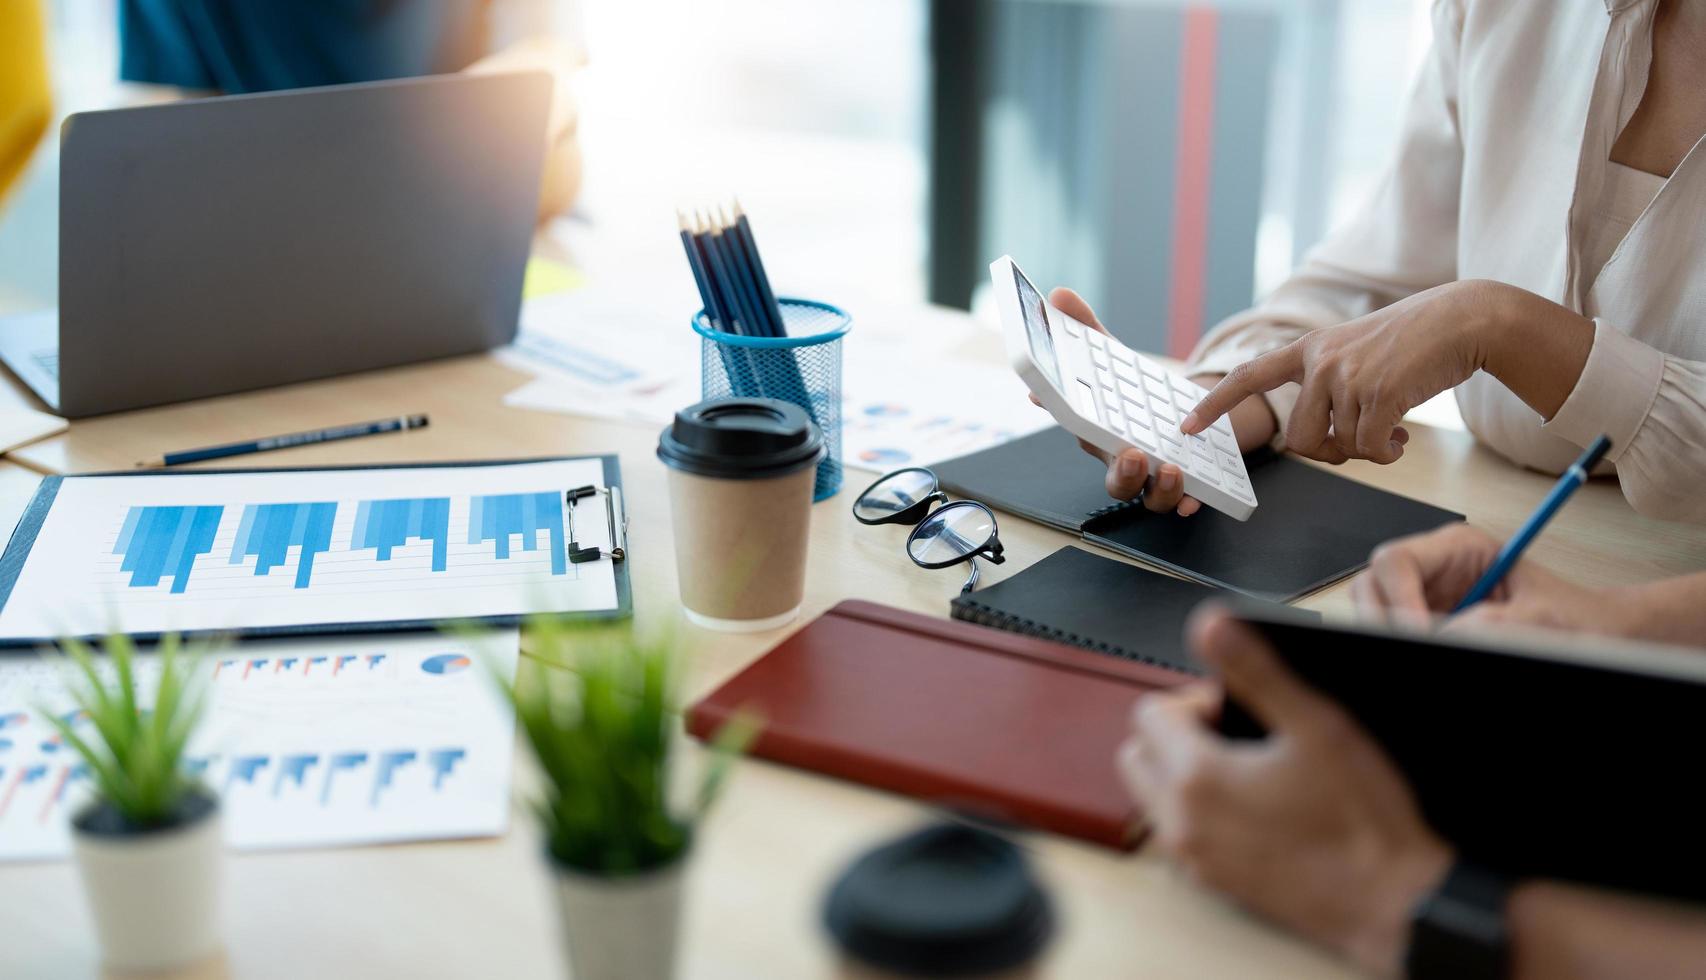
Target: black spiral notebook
{"type": "Point", "coordinates": [1311, 527]}
{"type": "Point", "coordinates": [1085, 600]}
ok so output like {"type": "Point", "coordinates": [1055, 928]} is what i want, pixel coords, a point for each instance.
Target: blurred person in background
{"type": "Point", "coordinates": [26, 107]}
{"type": "Point", "coordinates": [236, 46]}
{"type": "Point", "coordinates": [1315, 829]}
{"type": "Point", "coordinates": [1536, 245]}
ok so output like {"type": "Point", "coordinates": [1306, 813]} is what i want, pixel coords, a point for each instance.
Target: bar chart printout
{"type": "Point", "coordinates": [165, 541]}
{"type": "Point", "coordinates": [499, 517]}
{"type": "Point", "coordinates": [268, 532]}
{"type": "Point", "coordinates": [248, 552]}
{"type": "Point", "coordinates": [387, 524]}
{"type": "Point", "coordinates": [387, 750]}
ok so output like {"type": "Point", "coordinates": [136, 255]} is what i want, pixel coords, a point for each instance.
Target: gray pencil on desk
{"type": "Point", "coordinates": [333, 434]}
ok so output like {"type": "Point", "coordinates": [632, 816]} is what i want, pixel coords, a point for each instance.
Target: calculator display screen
{"type": "Point", "coordinates": [1037, 327]}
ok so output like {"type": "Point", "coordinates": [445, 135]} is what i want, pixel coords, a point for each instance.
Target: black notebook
{"type": "Point", "coordinates": [1079, 598]}
{"type": "Point", "coordinates": [1311, 527]}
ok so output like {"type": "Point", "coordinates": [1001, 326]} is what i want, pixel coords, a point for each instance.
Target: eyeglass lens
{"type": "Point", "coordinates": [951, 533]}
{"type": "Point", "coordinates": [895, 494]}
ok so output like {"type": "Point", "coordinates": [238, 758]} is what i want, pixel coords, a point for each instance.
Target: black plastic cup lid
{"type": "Point", "coordinates": [948, 900]}
{"type": "Point", "coordinates": [741, 439]}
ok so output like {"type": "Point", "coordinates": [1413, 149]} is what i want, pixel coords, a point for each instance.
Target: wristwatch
{"type": "Point", "coordinates": [1458, 930]}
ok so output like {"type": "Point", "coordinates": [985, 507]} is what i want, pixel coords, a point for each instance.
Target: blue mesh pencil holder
{"type": "Point", "coordinates": [803, 367]}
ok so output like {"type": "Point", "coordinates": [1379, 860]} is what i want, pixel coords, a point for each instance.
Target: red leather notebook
{"type": "Point", "coordinates": [964, 716]}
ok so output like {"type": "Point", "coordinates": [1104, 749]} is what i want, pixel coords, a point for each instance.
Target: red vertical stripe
{"type": "Point", "coordinates": [1191, 180]}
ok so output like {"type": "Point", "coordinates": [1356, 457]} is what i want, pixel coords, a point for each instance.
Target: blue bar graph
{"type": "Point", "coordinates": [268, 531]}
{"type": "Point", "coordinates": [387, 524]}
{"type": "Point", "coordinates": [498, 518]}
{"type": "Point", "coordinates": [164, 541]}
{"type": "Point", "coordinates": [338, 762]}
{"type": "Point", "coordinates": [389, 763]}
{"type": "Point", "coordinates": [443, 762]}
{"type": "Point", "coordinates": [245, 767]}
{"type": "Point", "coordinates": [293, 768]}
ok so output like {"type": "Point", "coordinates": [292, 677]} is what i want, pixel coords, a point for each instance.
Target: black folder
{"type": "Point", "coordinates": [1311, 527]}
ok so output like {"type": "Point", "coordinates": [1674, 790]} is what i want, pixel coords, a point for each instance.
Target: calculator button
{"type": "Point", "coordinates": [1072, 329]}
{"type": "Point", "coordinates": [1136, 410]}
{"type": "Point", "coordinates": [1222, 441]}
{"type": "Point", "coordinates": [1114, 424]}
{"type": "Point", "coordinates": [1184, 401]}
{"type": "Point", "coordinates": [1142, 439]}
{"type": "Point", "coordinates": [1161, 410]}
{"type": "Point", "coordinates": [1123, 353]}
{"type": "Point", "coordinates": [1100, 359]}
{"type": "Point", "coordinates": [1152, 369]}
{"type": "Point", "coordinates": [1138, 419]}
{"type": "Point", "coordinates": [1157, 388]}
{"type": "Point", "coordinates": [1106, 377]}
{"type": "Point", "coordinates": [1125, 371]}
{"type": "Point", "coordinates": [1097, 339]}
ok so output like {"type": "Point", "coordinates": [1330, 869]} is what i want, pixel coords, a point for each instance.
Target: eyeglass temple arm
{"type": "Point", "coordinates": [971, 580]}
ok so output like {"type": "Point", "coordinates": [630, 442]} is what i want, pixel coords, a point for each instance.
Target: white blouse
{"type": "Point", "coordinates": [1504, 173]}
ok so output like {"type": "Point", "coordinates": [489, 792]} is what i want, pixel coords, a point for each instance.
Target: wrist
{"type": "Point", "coordinates": [1497, 323]}
{"type": "Point", "coordinates": [1378, 943]}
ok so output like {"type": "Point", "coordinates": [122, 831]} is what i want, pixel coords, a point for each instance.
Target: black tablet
{"type": "Point", "coordinates": [1557, 756]}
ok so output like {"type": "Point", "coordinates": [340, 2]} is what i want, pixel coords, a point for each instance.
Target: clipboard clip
{"type": "Point", "coordinates": [616, 521]}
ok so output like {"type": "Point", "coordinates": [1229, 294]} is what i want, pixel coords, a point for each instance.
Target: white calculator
{"type": "Point", "coordinates": [1114, 398]}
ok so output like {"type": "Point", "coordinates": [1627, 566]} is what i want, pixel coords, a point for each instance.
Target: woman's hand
{"type": "Point", "coordinates": [1129, 472]}
{"type": "Point", "coordinates": [1311, 827]}
{"type": "Point", "coordinates": [1361, 377]}
{"type": "Point", "coordinates": [1412, 579]}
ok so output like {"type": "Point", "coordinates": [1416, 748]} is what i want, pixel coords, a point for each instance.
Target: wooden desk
{"type": "Point", "coordinates": [481, 908]}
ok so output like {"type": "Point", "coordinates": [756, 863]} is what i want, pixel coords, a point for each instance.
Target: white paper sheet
{"type": "Point", "coordinates": [227, 551]}
{"type": "Point", "coordinates": [307, 743]}
{"type": "Point", "coordinates": [908, 400]}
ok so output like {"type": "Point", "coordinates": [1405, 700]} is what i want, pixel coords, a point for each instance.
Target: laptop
{"type": "Point", "coordinates": [239, 242]}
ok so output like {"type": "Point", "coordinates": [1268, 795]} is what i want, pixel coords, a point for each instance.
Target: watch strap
{"type": "Point", "coordinates": [1459, 929]}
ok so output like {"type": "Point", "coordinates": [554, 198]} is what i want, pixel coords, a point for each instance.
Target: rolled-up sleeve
{"type": "Point", "coordinates": [1404, 240]}
{"type": "Point", "coordinates": [1653, 406]}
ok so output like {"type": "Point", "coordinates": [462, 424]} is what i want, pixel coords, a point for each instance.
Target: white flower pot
{"type": "Point", "coordinates": [154, 894]}
{"type": "Point", "coordinates": [623, 928]}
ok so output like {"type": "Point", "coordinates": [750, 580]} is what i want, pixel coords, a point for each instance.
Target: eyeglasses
{"type": "Point", "coordinates": [955, 532]}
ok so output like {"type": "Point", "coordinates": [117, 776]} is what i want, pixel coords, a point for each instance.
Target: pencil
{"type": "Point", "coordinates": [696, 262]}
{"type": "Point", "coordinates": [334, 434]}
{"type": "Point", "coordinates": [744, 228]}
{"type": "Point", "coordinates": [731, 237]}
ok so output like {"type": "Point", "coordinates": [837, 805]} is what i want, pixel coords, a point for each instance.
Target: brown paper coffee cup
{"type": "Point", "coordinates": [740, 547]}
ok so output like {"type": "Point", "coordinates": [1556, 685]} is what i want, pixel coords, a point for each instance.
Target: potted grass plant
{"type": "Point", "coordinates": [148, 842]}
{"type": "Point", "coordinates": [597, 707]}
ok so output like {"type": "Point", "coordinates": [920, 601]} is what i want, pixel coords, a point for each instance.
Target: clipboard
{"type": "Point", "coordinates": [214, 556]}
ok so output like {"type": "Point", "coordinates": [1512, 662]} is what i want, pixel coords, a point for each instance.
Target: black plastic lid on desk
{"type": "Point", "coordinates": [948, 900]}
{"type": "Point", "coordinates": [741, 439]}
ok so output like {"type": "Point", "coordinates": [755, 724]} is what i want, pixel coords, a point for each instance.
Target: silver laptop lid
{"type": "Point", "coordinates": [224, 244]}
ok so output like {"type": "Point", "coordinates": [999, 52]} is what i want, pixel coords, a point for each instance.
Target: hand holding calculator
{"type": "Point", "coordinates": [1115, 398]}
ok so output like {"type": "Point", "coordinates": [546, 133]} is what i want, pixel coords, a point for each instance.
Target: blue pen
{"type": "Point", "coordinates": [1573, 477]}
{"type": "Point", "coordinates": [333, 434]}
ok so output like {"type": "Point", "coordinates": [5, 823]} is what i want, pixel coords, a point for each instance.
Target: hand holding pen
{"type": "Point", "coordinates": [1464, 570]}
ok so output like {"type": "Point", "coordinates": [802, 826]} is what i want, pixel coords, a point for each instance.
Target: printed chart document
{"type": "Point", "coordinates": [308, 743]}
{"type": "Point", "coordinates": [287, 550]}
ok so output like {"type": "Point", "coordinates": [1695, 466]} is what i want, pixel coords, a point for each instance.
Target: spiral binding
{"type": "Point", "coordinates": [972, 611]}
